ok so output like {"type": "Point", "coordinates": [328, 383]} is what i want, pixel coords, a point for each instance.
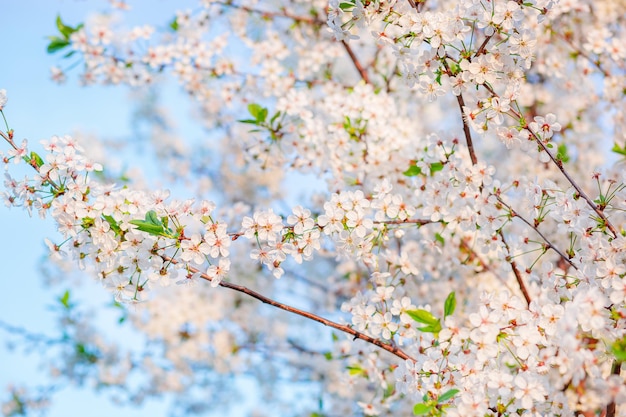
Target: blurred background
{"type": "Point", "coordinates": [37, 109]}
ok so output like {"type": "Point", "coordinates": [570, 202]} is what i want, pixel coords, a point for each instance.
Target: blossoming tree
{"type": "Point", "coordinates": [467, 251]}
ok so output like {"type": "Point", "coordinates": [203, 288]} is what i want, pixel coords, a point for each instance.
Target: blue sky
{"type": "Point", "coordinates": [38, 109]}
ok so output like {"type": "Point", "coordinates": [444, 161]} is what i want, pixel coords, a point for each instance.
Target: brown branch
{"type": "Point", "coordinates": [481, 48]}
{"type": "Point", "coordinates": [356, 62]}
{"type": "Point", "coordinates": [267, 14]}
{"type": "Point", "coordinates": [548, 244]}
{"type": "Point", "coordinates": [357, 335]}
{"type": "Point", "coordinates": [579, 190]}
{"type": "Point", "coordinates": [561, 168]}
{"type": "Point", "coordinates": [466, 130]}
{"type": "Point", "coordinates": [580, 52]}
{"type": "Point", "coordinates": [616, 368]}
{"type": "Point", "coordinates": [481, 262]}
{"type": "Point", "coordinates": [420, 222]}
{"type": "Point", "coordinates": [516, 272]}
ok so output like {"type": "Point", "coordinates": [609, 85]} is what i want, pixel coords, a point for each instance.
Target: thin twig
{"type": "Point", "coordinates": [549, 244]}
{"type": "Point", "coordinates": [356, 62]}
{"type": "Point", "coordinates": [616, 368]}
{"type": "Point", "coordinates": [579, 190]}
{"type": "Point", "coordinates": [516, 272]}
{"type": "Point", "coordinates": [580, 52]}
{"type": "Point", "coordinates": [357, 335]}
{"type": "Point", "coordinates": [420, 222]}
{"type": "Point", "coordinates": [481, 48]}
{"type": "Point", "coordinates": [561, 168]}
{"type": "Point", "coordinates": [267, 14]}
{"type": "Point", "coordinates": [466, 130]}
{"type": "Point", "coordinates": [481, 262]}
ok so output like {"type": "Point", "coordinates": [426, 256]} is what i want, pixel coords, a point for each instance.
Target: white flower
{"type": "Point", "coordinates": [3, 98]}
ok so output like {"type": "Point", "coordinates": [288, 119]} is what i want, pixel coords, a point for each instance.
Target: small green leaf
{"type": "Point", "coordinates": [435, 167]}
{"type": "Point", "coordinates": [153, 225]}
{"type": "Point", "coordinates": [56, 44]}
{"type": "Point", "coordinates": [65, 299]}
{"type": "Point", "coordinates": [35, 157]}
{"type": "Point", "coordinates": [148, 227]}
{"type": "Point", "coordinates": [619, 349]}
{"type": "Point", "coordinates": [65, 30]}
{"type": "Point", "coordinates": [422, 316]}
{"type": "Point", "coordinates": [447, 395]}
{"type": "Point", "coordinates": [413, 171]}
{"type": "Point", "coordinates": [274, 117]}
{"type": "Point", "coordinates": [421, 409]}
{"type": "Point", "coordinates": [114, 226]}
{"type": "Point", "coordinates": [356, 370]}
{"type": "Point", "coordinates": [561, 153]}
{"type": "Point", "coordinates": [152, 217]}
{"type": "Point", "coordinates": [619, 150]}
{"type": "Point", "coordinates": [435, 328]}
{"type": "Point", "coordinates": [174, 24]}
{"type": "Point", "coordinates": [440, 239]}
{"type": "Point", "coordinates": [449, 305]}
{"type": "Point", "coordinates": [258, 112]}
{"type": "Point", "coordinates": [345, 5]}
{"type": "Point", "coordinates": [328, 355]}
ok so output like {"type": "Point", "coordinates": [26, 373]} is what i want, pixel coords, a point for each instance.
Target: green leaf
{"type": "Point", "coordinates": [258, 112]}
{"type": "Point", "coordinates": [433, 324]}
{"type": "Point", "coordinates": [440, 239]}
{"type": "Point", "coordinates": [65, 300]}
{"type": "Point", "coordinates": [421, 409]}
{"type": "Point", "coordinates": [114, 226]}
{"type": "Point", "coordinates": [274, 117]}
{"type": "Point", "coordinates": [450, 305]}
{"type": "Point", "coordinates": [148, 227]}
{"type": "Point", "coordinates": [435, 328]}
{"type": "Point", "coordinates": [435, 167]}
{"type": "Point", "coordinates": [345, 5]}
{"type": "Point", "coordinates": [35, 157]}
{"type": "Point", "coordinates": [447, 395]}
{"type": "Point", "coordinates": [153, 225]}
{"type": "Point", "coordinates": [56, 44]}
{"type": "Point", "coordinates": [619, 349]}
{"type": "Point", "coordinates": [413, 171]}
{"type": "Point", "coordinates": [619, 150]}
{"type": "Point", "coordinates": [152, 217]}
{"type": "Point", "coordinates": [356, 370]}
{"type": "Point", "coordinates": [561, 153]}
{"type": "Point", "coordinates": [65, 30]}
{"type": "Point", "coordinates": [85, 354]}
{"type": "Point", "coordinates": [422, 316]}
{"type": "Point", "coordinates": [174, 24]}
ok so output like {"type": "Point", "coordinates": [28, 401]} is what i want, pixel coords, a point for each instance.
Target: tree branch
{"type": "Point", "coordinates": [268, 15]}
{"type": "Point", "coordinates": [466, 130]}
{"type": "Point", "coordinates": [549, 244]}
{"type": "Point", "coordinates": [346, 329]}
{"type": "Point", "coordinates": [579, 190]}
{"type": "Point", "coordinates": [616, 368]}
{"type": "Point", "coordinates": [357, 63]}
{"type": "Point", "coordinates": [516, 272]}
